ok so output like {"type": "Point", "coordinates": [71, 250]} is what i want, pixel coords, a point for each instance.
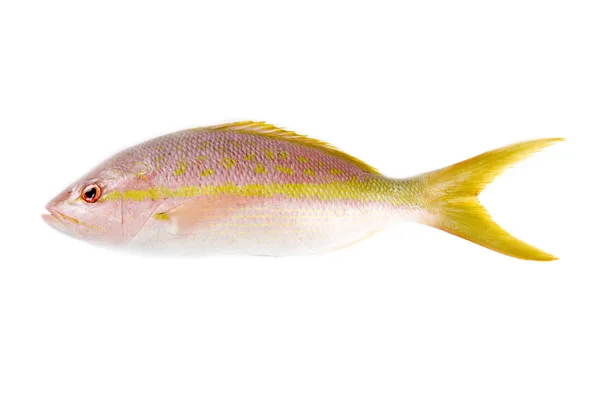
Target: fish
{"type": "Point", "coordinates": [251, 188]}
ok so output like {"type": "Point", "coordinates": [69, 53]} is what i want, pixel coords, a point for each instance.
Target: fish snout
{"type": "Point", "coordinates": [59, 221]}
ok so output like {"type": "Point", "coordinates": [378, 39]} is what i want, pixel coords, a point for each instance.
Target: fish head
{"type": "Point", "coordinates": [88, 210]}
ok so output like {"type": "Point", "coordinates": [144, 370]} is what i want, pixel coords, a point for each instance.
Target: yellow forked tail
{"type": "Point", "coordinates": [451, 196]}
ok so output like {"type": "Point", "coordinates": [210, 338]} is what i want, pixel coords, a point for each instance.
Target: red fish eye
{"type": "Point", "coordinates": [91, 193]}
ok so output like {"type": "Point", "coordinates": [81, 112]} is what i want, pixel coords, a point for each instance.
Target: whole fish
{"type": "Point", "coordinates": [252, 188]}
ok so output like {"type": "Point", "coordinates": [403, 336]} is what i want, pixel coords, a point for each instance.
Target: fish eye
{"type": "Point", "coordinates": [91, 193]}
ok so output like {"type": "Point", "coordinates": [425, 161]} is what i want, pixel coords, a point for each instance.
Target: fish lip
{"type": "Point", "coordinates": [52, 215]}
{"type": "Point", "coordinates": [57, 219]}
{"type": "Point", "coordinates": [61, 217]}
{"type": "Point", "coordinates": [53, 219]}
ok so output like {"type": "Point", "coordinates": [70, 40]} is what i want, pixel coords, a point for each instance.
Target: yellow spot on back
{"type": "Point", "coordinates": [250, 157]}
{"type": "Point", "coordinates": [159, 160]}
{"type": "Point", "coordinates": [180, 168]}
{"type": "Point", "coordinates": [335, 171]}
{"type": "Point", "coordinates": [228, 162]}
{"type": "Point", "coordinates": [260, 169]}
{"type": "Point", "coordinates": [309, 172]}
{"type": "Point", "coordinates": [207, 172]}
{"type": "Point", "coordinates": [268, 130]}
{"type": "Point", "coordinates": [201, 158]}
{"type": "Point", "coordinates": [285, 170]}
{"type": "Point", "coordinates": [270, 155]}
{"type": "Point", "coordinates": [283, 155]}
{"type": "Point", "coordinates": [143, 170]}
{"type": "Point", "coordinates": [302, 159]}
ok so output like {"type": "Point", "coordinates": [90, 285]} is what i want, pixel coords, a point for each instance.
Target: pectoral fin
{"type": "Point", "coordinates": [199, 211]}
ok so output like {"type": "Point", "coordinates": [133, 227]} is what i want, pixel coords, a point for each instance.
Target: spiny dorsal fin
{"type": "Point", "coordinates": [268, 130]}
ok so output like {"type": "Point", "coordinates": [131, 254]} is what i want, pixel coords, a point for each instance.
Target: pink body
{"type": "Point", "coordinates": [241, 188]}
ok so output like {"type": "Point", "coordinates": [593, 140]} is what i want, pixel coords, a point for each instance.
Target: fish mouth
{"type": "Point", "coordinates": [59, 220]}
{"type": "Point", "coordinates": [50, 218]}
{"type": "Point", "coordinates": [66, 223]}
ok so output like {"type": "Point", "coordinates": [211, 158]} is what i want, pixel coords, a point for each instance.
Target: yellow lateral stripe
{"type": "Point", "coordinates": [369, 190]}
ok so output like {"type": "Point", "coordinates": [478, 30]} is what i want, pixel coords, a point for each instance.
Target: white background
{"type": "Point", "coordinates": [410, 317]}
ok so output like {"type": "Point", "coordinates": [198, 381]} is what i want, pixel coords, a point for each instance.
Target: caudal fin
{"type": "Point", "coordinates": [451, 197]}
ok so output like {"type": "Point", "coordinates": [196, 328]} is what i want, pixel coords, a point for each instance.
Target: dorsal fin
{"type": "Point", "coordinates": [268, 130]}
